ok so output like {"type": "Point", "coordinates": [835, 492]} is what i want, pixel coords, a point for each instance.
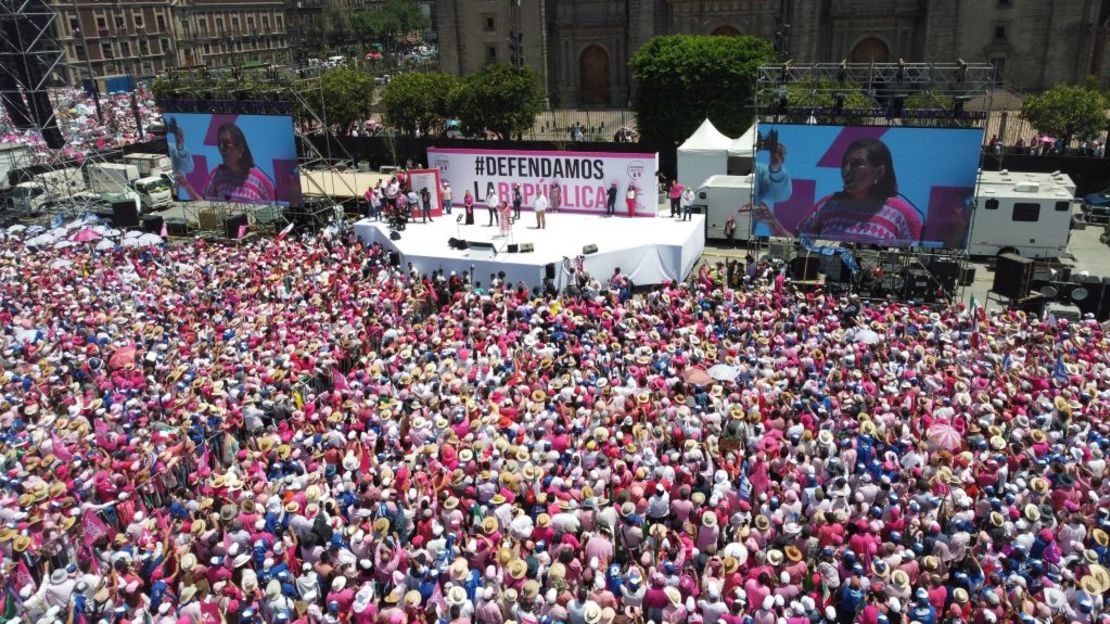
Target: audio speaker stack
{"type": "Point", "coordinates": [231, 225]}
{"type": "Point", "coordinates": [1013, 276]}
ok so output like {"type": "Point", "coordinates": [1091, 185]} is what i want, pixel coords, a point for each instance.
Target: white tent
{"type": "Point", "coordinates": [744, 147]}
{"type": "Point", "coordinates": [704, 154]}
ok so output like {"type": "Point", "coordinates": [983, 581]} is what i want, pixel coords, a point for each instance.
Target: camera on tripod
{"type": "Point", "coordinates": [768, 143]}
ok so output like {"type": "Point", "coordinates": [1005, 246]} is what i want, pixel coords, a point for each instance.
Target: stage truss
{"type": "Point", "coordinates": [893, 83]}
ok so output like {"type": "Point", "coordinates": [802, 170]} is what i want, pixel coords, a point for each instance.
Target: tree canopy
{"type": "Point", "coordinates": [417, 100]}
{"type": "Point", "coordinates": [343, 97]}
{"type": "Point", "coordinates": [682, 79]}
{"type": "Point", "coordinates": [1067, 112]}
{"type": "Point", "coordinates": [499, 97]}
{"type": "Point", "coordinates": [387, 20]}
{"type": "Point", "coordinates": [806, 97]}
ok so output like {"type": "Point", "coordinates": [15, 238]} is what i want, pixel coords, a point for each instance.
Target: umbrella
{"type": "Point", "coordinates": [150, 239]}
{"type": "Point", "coordinates": [133, 234]}
{"type": "Point", "coordinates": [104, 245]}
{"type": "Point", "coordinates": [62, 244]}
{"type": "Point", "coordinates": [86, 235]}
{"type": "Point", "coordinates": [17, 228]}
{"type": "Point", "coordinates": [867, 336]}
{"type": "Point", "coordinates": [128, 243]}
{"type": "Point", "coordinates": [697, 376]}
{"type": "Point", "coordinates": [61, 263]}
{"type": "Point", "coordinates": [122, 357]}
{"type": "Point", "coordinates": [40, 240]}
{"type": "Point", "coordinates": [724, 372]}
{"type": "Point", "coordinates": [945, 436]}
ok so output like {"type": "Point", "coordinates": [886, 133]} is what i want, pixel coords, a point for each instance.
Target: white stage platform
{"type": "Point", "coordinates": [647, 249]}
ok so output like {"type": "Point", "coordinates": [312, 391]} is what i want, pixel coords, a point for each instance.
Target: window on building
{"type": "Point", "coordinates": [219, 25]}
{"type": "Point", "coordinates": [266, 24]}
{"type": "Point", "coordinates": [1027, 212]}
{"type": "Point", "coordinates": [139, 23]}
{"type": "Point", "coordinates": [999, 32]}
{"type": "Point", "coordinates": [74, 25]}
{"type": "Point", "coordinates": [235, 24]}
{"type": "Point", "coordinates": [203, 24]}
{"type": "Point", "coordinates": [79, 52]}
{"type": "Point", "coordinates": [124, 49]}
{"type": "Point", "coordinates": [121, 22]}
{"type": "Point", "coordinates": [491, 54]}
{"type": "Point", "coordinates": [250, 25]}
{"type": "Point", "coordinates": [1005, 4]}
{"type": "Point", "coordinates": [161, 21]}
{"type": "Point", "coordinates": [144, 49]}
{"type": "Point", "coordinates": [106, 50]}
{"type": "Point", "coordinates": [165, 45]}
{"type": "Point", "coordinates": [489, 23]}
{"type": "Point", "coordinates": [101, 23]}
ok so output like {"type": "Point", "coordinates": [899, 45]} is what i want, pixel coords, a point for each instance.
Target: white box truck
{"type": "Point", "coordinates": [111, 177]}
{"type": "Point", "coordinates": [154, 192]}
{"type": "Point", "coordinates": [150, 165]}
{"type": "Point", "coordinates": [13, 157]}
{"type": "Point", "coordinates": [1029, 214]}
{"type": "Point", "coordinates": [47, 188]}
{"type": "Point", "coordinates": [722, 196]}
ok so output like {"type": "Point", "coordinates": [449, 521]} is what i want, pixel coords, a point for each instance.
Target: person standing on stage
{"type": "Point", "coordinates": [630, 199]}
{"type": "Point", "coordinates": [518, 201]}
{"type": "Point", "coordinates": [541, 210]}
{"type": "Point", "coordinates": [611, 200]}
{"type": "Point", "coordinates": [392, 190]}
{"type": "Point", "coordinates": [556, 196]}
{"type": "Point", "coordinates": [687, 202]}
{"type": "Point", "coordinates": [426, 203]}
{"type": "Point", "coordinates": [676, 198]}
{"type": "Point", "coordinates": [491, 206]}
{"type": "Point", "coordinates": [506, 218]}
{"type": "Point", "coordinates": [468, 207]}
{"type": "Point", "coordinates": [447, 195]}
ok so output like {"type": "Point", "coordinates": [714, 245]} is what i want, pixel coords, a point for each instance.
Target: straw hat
{"type": "Point", "coordinates": [730, 565]}
{"type": "Point", "coordinates": [591, 612]}
{"type": "Point", "coordinates": [793, 553]}
{"type": "Point", "coordinates": [517, 568]}
{"type": "Point", "coordinates": [412, 598]}
{"type": "Point", "coordinates": [673, 595]}
{"type": "Point", "coordinates": [709, 518]}
{"type": "Point", "coordinates": [900, 579]}
{"type": "Point", "coordinates": [774, 557]}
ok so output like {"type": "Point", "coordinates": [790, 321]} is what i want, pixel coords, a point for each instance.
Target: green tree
{"type": "Point", "coordinates": [809, 96]}
{"type": "Point", "coordinates": [342, 97]}
{"type": "Point", "coordinates": [1067, 112]}
{"type": "Point", "coordinates": [417, 100]}
{"type": "Point", "coordinates": [387, 21]}
{"type": "Point", "coordinates": [682, 79]}
{"type": "Point", "coordinates": [499, 97]}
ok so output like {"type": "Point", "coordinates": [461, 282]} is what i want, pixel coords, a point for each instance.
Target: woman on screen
{"type": "Point", "coordinates": [236, 179]}
{"type": "Point", "coordinates": [869, 209]}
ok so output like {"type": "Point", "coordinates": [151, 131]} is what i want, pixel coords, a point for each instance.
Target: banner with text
{"type": "Point", "coordinates": [582, 182]}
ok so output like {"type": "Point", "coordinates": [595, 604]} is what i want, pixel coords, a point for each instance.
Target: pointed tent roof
{"type": "Point", "coordinates": [706, 139]}
{"type": "Point", "coordinates": [744, 147]}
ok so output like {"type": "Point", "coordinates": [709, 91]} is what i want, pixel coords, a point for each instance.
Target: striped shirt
{"type": "Point", "coordinates": [254, 187]}
{"type": "Point", "coordinates": [891, 222]}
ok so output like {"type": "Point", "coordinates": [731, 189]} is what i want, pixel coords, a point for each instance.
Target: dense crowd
{"type": "Point", "coordinates": [298, 431]}
{"type": "Point", "coordinates": [75, 113]}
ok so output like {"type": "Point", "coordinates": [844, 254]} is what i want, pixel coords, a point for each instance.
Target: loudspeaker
{"type": "Point", "coordinates": [513, 248]}
{"type": "Point", "coordinates": [527, 248]}
{"type": "Point", "coordinates": [944, 268]}
{"type": "Point", "coordinates": [1012, 276]}
{"type": "Point", "coordinates": [394, 259]}
{"type": "Point", "coordinates": [394, 235]}
{"type": "Point", "coordinates": [231, 225]}
{"type": "Point", "coordinates": [176, 226]}
{"type": "Point", "coordinates": [805, 268]}
{"type": "Point", "coordinates": [125, 214]}
{"type": "Point", "coordinates": [967, 276]}
{"type": "Point", "coordinates": [549, 271]}
{"type": "Point", "coordinates": [589, 249]}
{"type": "Point", "coordinates": [152, 224]}
{"type": "Point", "coordinates": [456, 243]}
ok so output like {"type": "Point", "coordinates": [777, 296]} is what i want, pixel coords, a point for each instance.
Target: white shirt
{"type": "Point", "coordinates": [541, 203]}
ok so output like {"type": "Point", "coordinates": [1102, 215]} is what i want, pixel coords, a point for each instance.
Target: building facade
{"type": "Point", "coordinates": [134, 37]}
{"type": "Point", "coordinates": [146, 38]}
{"type": "Point", "coordinates": [223, 33]}
{"type": "Point", "coordinates": [581, 47]}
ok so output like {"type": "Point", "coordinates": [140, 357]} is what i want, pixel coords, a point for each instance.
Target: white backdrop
{"type": "Point", "coordinates": [582, 178]}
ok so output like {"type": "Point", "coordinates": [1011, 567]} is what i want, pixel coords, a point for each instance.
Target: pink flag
{"type": "Point", "coordinates": [242, 231]}
{"type": "Point", "coordinates": [282, 234]}
{"type": "Point", "coordinates": [94, 528]}
{"type": "Point", "coordinates": [23, 576]}
{"type": "Point", "coordinates": [338, 380]}
{"type": "Point", "coordinates": [60, 450]}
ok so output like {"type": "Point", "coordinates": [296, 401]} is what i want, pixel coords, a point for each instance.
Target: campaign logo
{"type": "Point", "coordinates": [442, 163]}
{"type": "Point", "coordinates": [636, 170]}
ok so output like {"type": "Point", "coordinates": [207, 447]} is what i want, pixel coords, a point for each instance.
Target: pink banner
{"type": "Point", "coordinates": [94, 528]}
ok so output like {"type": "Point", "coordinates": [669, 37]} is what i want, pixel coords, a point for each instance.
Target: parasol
{"type": "Point", "coordinates": [697, 376]}
{"type": "Point", "coordinates": [85, 235]}
{"type": "Point", "coordinates": [724, 372]}
{"type": "Point", "coordinates": [945, 436]}
{"type": "Point", "coordinates": [122, 357]}
{"type": "Point", "coordinates": [104, 245]}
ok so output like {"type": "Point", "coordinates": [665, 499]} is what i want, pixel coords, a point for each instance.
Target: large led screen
{"type": "Point", "coordinates": [893, 187]}
{"type": "Point", "coordinates": [235, 158]}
